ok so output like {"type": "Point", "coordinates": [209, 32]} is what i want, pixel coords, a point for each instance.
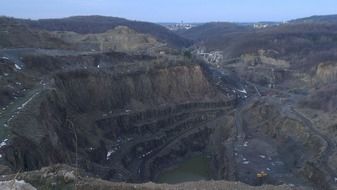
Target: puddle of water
{"type": "Point", "coordinates": [194, 169]}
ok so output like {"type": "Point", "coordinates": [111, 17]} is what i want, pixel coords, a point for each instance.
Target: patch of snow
{"type": "Point", "coordinates": [335, 179]}
{"type": "Point", "coordinates": [127, 111]}
{"type": "Point", "coordinates": [3, 143]}
{"type": "Point", "coordinates": [129, 139]}
{"type": "Point", "coordinates": [109, 154]}
{"type": "Point", "coordinates": [243, 91]}
{"type": "Point", "coordinates": [98, 66]}
{"type": "Point", "coordinates": [6, 74]}
{"type": "Point", "coordinates": [246, 162]}
{"type": "Point", "coordinates": [5, 125]}
{"type": "Point", "coordinates": [268, 169]}
{"type": "Point", "coordinates": [20, 181]}
{"type": "Point", "coordinates": [17, 67]}
{"type": "Point", "coordinates": [5, 58]}
{"type": "Point", "coordinates": [262, 156]}
{"type": "Point", "coordinates": [0, 156]}
{"type": "Point", "coordinates": [146, 154]}
{"type": "Point", "coordinates": [245, 144]}
{"type": "Point", "coordinates": [30, 99]}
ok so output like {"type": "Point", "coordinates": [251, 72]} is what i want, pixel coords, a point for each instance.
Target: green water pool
{"type": "Point", "coordinates": [194, 169]}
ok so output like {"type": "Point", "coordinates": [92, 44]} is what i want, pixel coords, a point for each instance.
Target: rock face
{"type": "Point", "coordinates": [103, 91]}
{"type": "Point", "coordinates": [292, 132]}
{"type": "Point", "coordinates": [326, 73]}
{"type": "Point", "coordinates": [263, 58]}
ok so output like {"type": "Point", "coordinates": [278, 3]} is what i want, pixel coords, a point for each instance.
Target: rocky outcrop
{"type": "Point", "coordinates": [326, 73]}
{"type": "Point", "coordinates": [261, 58]}
{"type": "Point", "coordinates": [121, 39]}
{"type": "Point", "coordinates": [17, 185]}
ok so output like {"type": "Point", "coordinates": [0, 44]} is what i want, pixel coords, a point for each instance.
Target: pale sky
{"type": "Point", "coordinates": [172, 10]}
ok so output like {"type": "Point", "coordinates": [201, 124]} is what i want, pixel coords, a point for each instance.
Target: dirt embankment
{"type": "Point", "coordinates": [63, 177]}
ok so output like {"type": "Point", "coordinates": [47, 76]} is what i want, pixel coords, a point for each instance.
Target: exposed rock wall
{"type": "Point", "coordinates": [121, 39]}
{"type": "Point", "coordinates": [326, 73]}
{"type": "Point", "coordinates": [294, 135]}
{"type": "Point", "coordinates": [104, 91]}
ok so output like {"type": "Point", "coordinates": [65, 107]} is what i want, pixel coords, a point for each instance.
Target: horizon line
{"type": "Point", "coordinates": [163, 22]}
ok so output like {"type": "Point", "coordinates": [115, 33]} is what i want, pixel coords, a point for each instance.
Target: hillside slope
{"type": "Point", "coordinates": [16, 35]}
{"type": "Point", "coordinates": [317, 19]}
{"type": "Point", "coordinates": [212, 30]}
{"type": "Point", "coordinates": [101, 24]}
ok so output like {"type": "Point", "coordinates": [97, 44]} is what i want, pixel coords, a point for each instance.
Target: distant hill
{"type": "Point", "coordinates": [299, 43]}
{"type": "Point", "coordinates": [101, 24]}
{"type": "Point", "coordinates": [317, 19]}
{"type": "Point", "coordinates": [223, 36]}
{"type": "Point", "coordinates": [211, 30]}
{"type": "Point", "coordinates": [14, 34]}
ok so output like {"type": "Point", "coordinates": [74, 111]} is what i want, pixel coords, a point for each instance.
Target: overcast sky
{"type": "Point", "coordinates": [172, 10]}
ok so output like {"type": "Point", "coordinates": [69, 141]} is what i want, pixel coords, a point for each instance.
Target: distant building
{"type": "Point", "coordinates": [260, 26]}
{"type": "Point", "coordinates": [179, 26]}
